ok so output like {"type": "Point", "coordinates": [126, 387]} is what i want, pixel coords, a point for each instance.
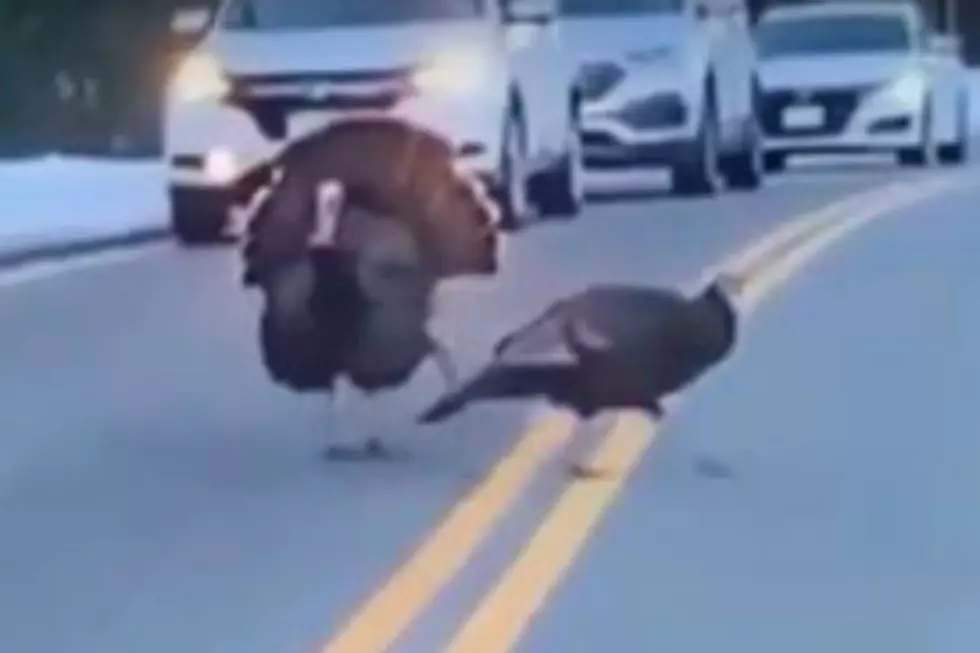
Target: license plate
{"type": "Point", "coordinates": [803, 117]}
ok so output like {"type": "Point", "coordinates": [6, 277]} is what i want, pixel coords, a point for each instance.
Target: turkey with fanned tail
{"type": "Point", "coordinates": [358, 225]}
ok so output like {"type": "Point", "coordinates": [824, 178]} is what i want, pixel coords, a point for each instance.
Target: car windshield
{"type": "Point", "coordinates": [298, 14]}
{"type": "Point", "coordinates": [620, 7]}
{"type": "Point", "coordinates": [816, 35]}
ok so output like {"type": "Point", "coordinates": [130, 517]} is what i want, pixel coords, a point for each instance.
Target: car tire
{"type": "Point", "coordinates": [510, 190]}
{"type": "Point", "coordinates": [957, 153]}
{"type": "Point", "coordinates": [199, 216]}
{"type": "Point", "coordinates": [697, 174]}
{"type": "Point", "coordinates": [744, 170]}
{"type": "Point", "coordinates": [913, 157]}
{"type": "Point", "coordinates": [774, 161]}
{"type": "Point", "coordinates": [559, 191]}
{"type": "Point", "coordinates": [922, 155]}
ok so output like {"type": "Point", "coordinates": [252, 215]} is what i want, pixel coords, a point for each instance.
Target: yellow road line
{"type": "Point", "coordinates": [414, 585]}
{"type": "Point", "coordinates": [498, 623]}
{"type": "Point", "coordinates": [797, 229]}
{"type": "Point", "coordinates": [506, 612]}
{"type": "Point", "coordinates": [778, 270]}
{"type": "Point", "coordinates": [396, 605]}
{"type": "Point", "coordinates": [794, 231]}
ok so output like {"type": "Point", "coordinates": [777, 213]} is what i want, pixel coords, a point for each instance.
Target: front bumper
{"type": "Point", "coordinates": [605, 153]}
{"type": "Point", "coordinates": [639, 116]}
{"type": "Point", "coordinates": [220, 146]}
{"type": "Point", "coordinates": [863, 119]}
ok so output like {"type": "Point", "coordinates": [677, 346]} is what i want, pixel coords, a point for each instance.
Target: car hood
{"type": "Point", "coordinates": [613, 38]}
{"type": "Point", "coordinates": [839, 70]}
{"type": "Point", "coordinates": [348, 48]}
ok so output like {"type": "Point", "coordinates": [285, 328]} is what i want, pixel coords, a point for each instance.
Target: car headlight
{"type": "Point", "coordinates": [454, 73]}
{"type": "Point", "coordinates": [199, 78]}
{"type": "Point", "coordinates": [910, 88]}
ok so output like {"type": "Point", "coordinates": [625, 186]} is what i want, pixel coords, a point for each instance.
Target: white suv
{"type": "Point", "coordinates": [488, 75]}
{"type": "Point", "coordinates": [668, 83]}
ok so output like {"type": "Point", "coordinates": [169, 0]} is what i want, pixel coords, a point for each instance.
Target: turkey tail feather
{"type": "Point", "coordinates": [498, 382]}
{"type": "Point", "coordinates": [457, 400]}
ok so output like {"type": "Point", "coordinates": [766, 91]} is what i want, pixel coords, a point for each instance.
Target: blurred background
{"type": "Point", "coordinates": [87, 77]}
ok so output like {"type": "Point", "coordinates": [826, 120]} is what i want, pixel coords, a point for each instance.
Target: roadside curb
{"type": "Point", "coordinates": [17, 257]}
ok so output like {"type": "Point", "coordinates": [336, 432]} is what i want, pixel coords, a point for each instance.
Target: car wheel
{"type": "Point", "coordinates": [957, 152]}
{"type": "Point", "coordinates": [921, 156]}
{"type": "Point", "coordinates": [744, 171]}
{"type": "Point", "coordinates": [697, 173]}
{"type": "Point", "coordinates": [774, 161]}
{"type": "Point", "coordinates": [510, 190]}
{"type": "Point", "coordinates": [199, 216]}
{"type": "Point", "coordinates": [560, 191]}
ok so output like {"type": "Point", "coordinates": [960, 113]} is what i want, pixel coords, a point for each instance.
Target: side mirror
{"type": "Point", "coordinates": [538, 12]}
{"type": "Point", "coordinates": [190, 21]}
{"type": "Point", "coordinates": [947, 45]}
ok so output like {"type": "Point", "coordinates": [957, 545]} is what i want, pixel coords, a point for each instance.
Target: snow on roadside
{"type": "Point", "coordinates": [56, 201]}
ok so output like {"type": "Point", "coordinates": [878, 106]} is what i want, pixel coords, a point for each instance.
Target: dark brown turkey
{"type": "Point", "coordinates": [359, 223]}
{"type": "Point", "coordinates": [608, 347]}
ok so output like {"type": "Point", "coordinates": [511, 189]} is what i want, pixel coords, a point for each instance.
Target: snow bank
{"type": "Point", "coordinates": [55, 201]}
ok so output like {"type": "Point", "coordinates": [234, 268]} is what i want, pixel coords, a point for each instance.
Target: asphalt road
{"type": "Point", "coordinates": [817, 494]}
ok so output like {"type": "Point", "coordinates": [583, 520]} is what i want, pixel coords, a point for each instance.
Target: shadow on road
{"type": "Point", "coordinates": [626, 195]}
{"type": "Point", "coordinates": [842, 163]}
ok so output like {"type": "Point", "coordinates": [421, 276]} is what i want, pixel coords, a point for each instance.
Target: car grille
{"type": "Point", "coordinates": [654, 112]}
{"type": "Point", "coordinates": [592, 138]}
{"type": "Point", "coordinates": [269, 99]}
{"type": "Point", "coordinates": [334, 90]}
{"type": "Point", "coordinates": [596, 79]}
{"type": "Point", "coordinates": [839, 105]}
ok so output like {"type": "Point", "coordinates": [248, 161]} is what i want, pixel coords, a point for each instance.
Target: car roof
{"type": "Point", "coordinates": [903, 8]}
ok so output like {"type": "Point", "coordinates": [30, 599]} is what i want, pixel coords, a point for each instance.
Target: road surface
{"type": "Point", "coordinates": [817, 494]}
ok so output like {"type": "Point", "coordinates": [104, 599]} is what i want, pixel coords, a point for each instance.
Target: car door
{"type": "Point", "coordinates": [543, 74]}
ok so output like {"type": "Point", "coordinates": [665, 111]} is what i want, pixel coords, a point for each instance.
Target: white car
{"type": "Point", "coordinates": [668, 83]}
{"type": "Point", "coordinates": [842, 77]}
{"type": "Point", "coordinates": [489, 76]}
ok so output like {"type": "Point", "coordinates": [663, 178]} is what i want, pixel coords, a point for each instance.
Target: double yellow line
{"type": "Point", "coordinates": [500, 620]}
